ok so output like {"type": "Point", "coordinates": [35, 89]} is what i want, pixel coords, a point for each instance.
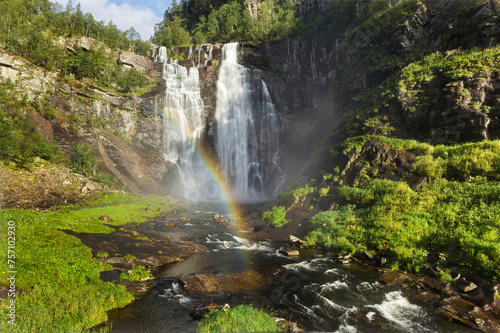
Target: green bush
{"type": "Point", "coordinates": [407, 224]}
{"type": "Point", "coordinates": [335, 229]}
{"type": "Point", "coordinates": [20, 142]}
{"type": "Point", "coordinates": [83, 159]}
{"type": "Point", "coordinates": [241, 319]}
{"type": "Point", "coordinates": [276, 216]}
{"type": "Point", "coordinates": [136, 274]}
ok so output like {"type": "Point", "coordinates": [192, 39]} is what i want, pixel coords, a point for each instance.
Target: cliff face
{"type": "Point", "coordinates": [325, 87]}
{"type": "Point", "coordinates": [330, 87]}
{"type": "Point", "coordinates": [119, 128]}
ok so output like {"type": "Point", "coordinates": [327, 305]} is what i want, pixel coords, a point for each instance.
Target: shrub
{"type": "Point", "coordinates": [241, 319]}
{"type": "Point", "coordinates": [336, 229]}
{"type": "Point", "coordinates": [136, 274]}
{"type": "Point", "coordinates": [276, 216]}
{"type": "Point", "coordinates": [83, 159]}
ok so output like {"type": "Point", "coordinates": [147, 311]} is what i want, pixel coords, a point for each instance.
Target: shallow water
{"type": "Point", "coordinates": [318, 293]}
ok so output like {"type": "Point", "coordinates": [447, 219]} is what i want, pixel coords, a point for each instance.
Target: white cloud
{"type": "Point", "coordinates": [124, 15]}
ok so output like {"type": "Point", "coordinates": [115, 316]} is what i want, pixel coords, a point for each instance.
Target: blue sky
{"type": "Point", "coordinates": [140, 14]}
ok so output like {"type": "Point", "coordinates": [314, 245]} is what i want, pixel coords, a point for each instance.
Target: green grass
{"type": "Point", "coordinates": [137, 274]}
{"type": "Point", "coordinates": [456, 214]}
{"type": "Point", "coordinates": [59, 280]}
{"type": "Point", "coordinates": [241, 319]}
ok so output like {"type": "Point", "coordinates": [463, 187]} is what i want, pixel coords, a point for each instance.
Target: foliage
{"type": "Point", "coordinates": [102, 254]}
{"type": "Point", "coordinates": [241, 319]}
{"type": "Point", "coordinates": [225, 21]}
{"type": "Point", "coordinates": [276, 216]}
{"type": "Point", "coordinates": [136, 274]}
{"type": "Point", "coordinates": [27, 28]}
{"type": "Point", "coordinates": [61, 284]}
{"type": "Point", "coordinates": [334, 229]}
{"type": "Point", "coordinates": [131, 80]}
{"type": "Point", "coordinates": [99, 66]}
{"type": "Point", "coordinates": [83, 159]}
{"type": "Point", "coordinates": [420, 86]}
{"type": "Point", "coordinates": [170, 32]}
{"type": "Point", "coordinates": [104, 179]}
{"type": "Point", "coordinates": [462, 161]}
{"type": "Point", "coordinates": [20, 141]}
{"type": "Point", "coordinates": [456, 215]}
{"type": "Point", "coordinates": [293, 197]}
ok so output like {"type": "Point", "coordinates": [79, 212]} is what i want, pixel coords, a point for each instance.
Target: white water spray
{"type": "Point", "coordinates": [247, 134]}
{"type": "Point", "coordinates": [246, 141]}
{"type": "Point", "coordinates": [183, 123]}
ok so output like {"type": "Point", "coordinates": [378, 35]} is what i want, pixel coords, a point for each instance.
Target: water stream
{"type": "Point", "coordinates": [318, 293]}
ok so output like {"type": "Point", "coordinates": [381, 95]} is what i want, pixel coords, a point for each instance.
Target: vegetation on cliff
{"type": "Point", "coordinates": [32, 30]}
{"type": "Point", "coordinates": [29, 26]}
{"type": "Point", "coordinates": [20, 141]}
{"type": "Point", "coordinates": [393, 190]}
{"type": "Point", "coordinates": [224, 21]}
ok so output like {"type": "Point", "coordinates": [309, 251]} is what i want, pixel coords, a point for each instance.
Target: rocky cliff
{"type": "Point", "coordinates": [325, 86]}
{"type": "Point", "coordinates": [125, 136]}
{"type": "Point", "coordinates": [329, 86]}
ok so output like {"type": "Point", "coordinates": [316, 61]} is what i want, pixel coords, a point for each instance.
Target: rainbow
{"type": "Point", "coordinates": [232, 207]}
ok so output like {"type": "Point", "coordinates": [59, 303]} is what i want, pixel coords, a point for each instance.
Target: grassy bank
{"type": "Point", "coordinates": [423, 208]}
{"type": "Point", "coordinates": [59, 284]}
{"type": "Point", "coordinates": [241, 319]}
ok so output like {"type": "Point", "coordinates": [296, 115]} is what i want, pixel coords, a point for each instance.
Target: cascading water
{"type": "Point", "coordinates": [246, 132]}
{"type": "Point", "coordinates": [247, 135]}
{"type": "Point", "coordinates": [183, 123]}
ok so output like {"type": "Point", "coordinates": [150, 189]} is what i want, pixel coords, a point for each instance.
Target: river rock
{"type": "Point", "coordinates": [105, 218]}
{"type": "Point", "coordinates": [229, 283]}
{"type": "Point", "coordinates": [290, 252]}
{"type": "Point", "coordinates": [295, 240]}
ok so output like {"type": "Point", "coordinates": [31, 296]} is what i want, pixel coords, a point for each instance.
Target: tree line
{"type": "Point", "coordinates": [28, 29]}
{"type": "Point", "coordinates": [28, 22]}
{"type": "Point", "coordinates": [200, 21]}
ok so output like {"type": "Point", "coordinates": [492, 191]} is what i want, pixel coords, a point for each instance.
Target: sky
{"type": "Point", "coordinates": [140, 14]}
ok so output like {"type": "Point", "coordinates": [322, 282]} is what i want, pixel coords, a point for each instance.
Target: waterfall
{"type": "Point", "coordinates": [247, 134]}
{"type": "Point", "coordinates": [183, 126]}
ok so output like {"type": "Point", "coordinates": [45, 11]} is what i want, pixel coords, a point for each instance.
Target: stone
{"type": "Point", "coordinates": [289, 252]}
{"type": "Point", "coordinates": [211, 307]}
{"type": "Point", "coordinates": [229, 283]}
{"type": "Point", "coordinates": [295, 240]}
{"type": "Point", "coordinates": [105, 218]}
{"type": "Point", "coordinates": [466, 286]}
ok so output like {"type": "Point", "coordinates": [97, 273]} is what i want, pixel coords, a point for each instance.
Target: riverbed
{"type": "Point", "coordinates": [312, 290]}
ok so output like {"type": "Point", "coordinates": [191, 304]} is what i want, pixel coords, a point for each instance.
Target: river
{"type": "Point", "coordinates": [318, 293]}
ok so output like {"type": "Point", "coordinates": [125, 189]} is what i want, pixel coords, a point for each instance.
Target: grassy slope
{"type": "Point", "coordinates": [59, 281]}
{"type": "Point", "coordinates": [455, 215]}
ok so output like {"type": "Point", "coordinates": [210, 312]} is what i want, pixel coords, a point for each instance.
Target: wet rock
{"type": "Point", "coordinates": [290, 252]}
{"type": "Point", "coordinates": [211, 307]}
{"type": "Point", "coordinates": [197, 314]}
{"type": "Point", "coordinates": [228, 283]}
{"type": "Point", "coordinates": [295, 240]}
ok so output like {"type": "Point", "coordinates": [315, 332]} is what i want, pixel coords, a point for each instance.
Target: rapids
{"type": "Point", "coordinates": [318, 293]}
